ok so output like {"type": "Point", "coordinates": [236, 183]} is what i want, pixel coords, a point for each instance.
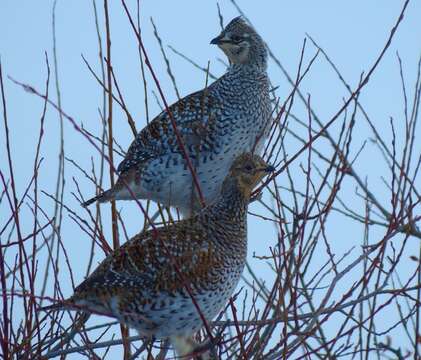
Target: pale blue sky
{"type": "Point", "coordinates": [352, 33]}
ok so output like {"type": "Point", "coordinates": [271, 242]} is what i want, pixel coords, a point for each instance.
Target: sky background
{"type": "Point", "coordinates": [352, 33]}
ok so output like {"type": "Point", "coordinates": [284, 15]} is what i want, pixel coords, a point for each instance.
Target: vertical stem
{"type": "Point", "coordinates": [14, 207]}
{"type": "Point", "coordinates": [116, 243]}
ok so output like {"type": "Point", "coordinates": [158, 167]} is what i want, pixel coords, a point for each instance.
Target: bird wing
{"type": "Point", "coordinates": [194, 116]}
{"type": "Point", "coordinates": [153, 261]}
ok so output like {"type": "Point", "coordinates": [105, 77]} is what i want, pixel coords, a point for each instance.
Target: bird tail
{"type": "Point", "coordinates": [61, 305]}
{"type": "Point", "coordinates": [103, 197]}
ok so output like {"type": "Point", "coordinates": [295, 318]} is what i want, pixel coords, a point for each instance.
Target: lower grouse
{"type": "Point", "coordinates": [149, 282]}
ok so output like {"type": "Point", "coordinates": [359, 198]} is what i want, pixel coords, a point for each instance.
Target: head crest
{"type": "Point", "coordinates": [237, 21]}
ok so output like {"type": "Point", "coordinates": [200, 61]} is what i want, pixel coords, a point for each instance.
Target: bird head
{"type": "Point", "coordinates": [242, 44]}
{"type": "Point", "coordinates": [247, 170]}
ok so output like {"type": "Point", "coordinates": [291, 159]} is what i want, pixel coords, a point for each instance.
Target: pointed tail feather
{"type": "Point", "coordinates": [104, 197]}
{"type": "Point", "coordinates": [61, 305]}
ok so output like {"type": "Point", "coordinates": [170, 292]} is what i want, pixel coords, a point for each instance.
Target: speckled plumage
{"type": "Point", "coordinates": [216, 124]}
{"type": "Point", "coordinates": [143, 283]}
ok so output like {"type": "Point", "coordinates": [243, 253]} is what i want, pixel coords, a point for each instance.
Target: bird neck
{"type": "Point", "coordinates": [233, 200]}
{"type": "Point", "coordinates": [227, 218]}
{"type": "Point", "coordinates": [253, 67]}
{"type": "Point", "coordinates": [256, 58]}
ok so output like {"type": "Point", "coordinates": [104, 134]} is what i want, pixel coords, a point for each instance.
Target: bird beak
{"type": "Point", "coordinates": [220, 39]}
{"type": "Point", "coordinates": [269, 169]}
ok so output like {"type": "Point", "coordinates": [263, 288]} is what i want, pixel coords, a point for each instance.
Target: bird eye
{"type": "Point", "coordinates": [236, 39]}
{"type": "Point", "coordinates": [248, 167]}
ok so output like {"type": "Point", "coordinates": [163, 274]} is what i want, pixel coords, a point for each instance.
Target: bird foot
{"type": "Point", "coordinates": [187, 348]}
{"type": "Point", "coordinates": [256, 197]}
{"type": "Point", "coordinates": [205, 351]}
